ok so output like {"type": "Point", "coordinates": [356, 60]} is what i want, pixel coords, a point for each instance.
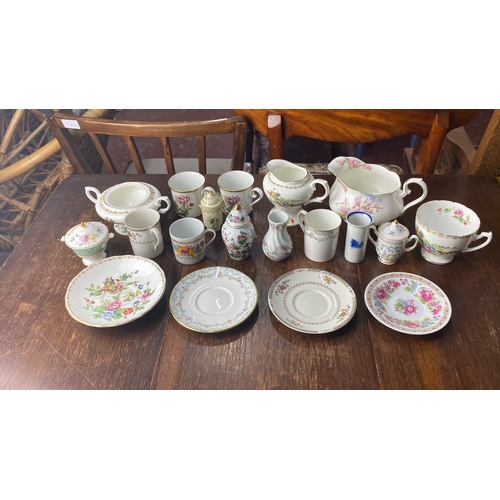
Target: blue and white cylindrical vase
{"type": "Point", "coordinates": [358, 224]}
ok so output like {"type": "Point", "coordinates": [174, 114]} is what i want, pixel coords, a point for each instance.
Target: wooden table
{"type": "Point", "coordinates": [43, 347]}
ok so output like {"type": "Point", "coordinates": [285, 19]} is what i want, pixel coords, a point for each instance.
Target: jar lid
{"type": "Point", "coordinates": [237, 217]}
{"type": "Point", "coordinates": [86, 235]}
{"type": "Point", "coordinates": [393, 230]}
{"type": "Point", "coordinates": [210, 199]}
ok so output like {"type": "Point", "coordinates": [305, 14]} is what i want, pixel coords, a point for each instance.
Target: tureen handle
{"type": "Point", "coordinates": [166, 200]}
{"type": "Point", "coordinates": [89, 190]}
{"type": "Point", "coordinates": [406, 190]}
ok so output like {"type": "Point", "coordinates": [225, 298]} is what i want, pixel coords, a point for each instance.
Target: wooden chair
{"type": "Point", "coordinates": [64, 126]}
{"type": "Point", "coordinates": [359, 126]}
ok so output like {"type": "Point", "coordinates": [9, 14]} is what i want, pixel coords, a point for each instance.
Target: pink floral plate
{"type": "Point", "coordinates": [408, 303]}
{"type": "Point", "coordinates": [115, 291]}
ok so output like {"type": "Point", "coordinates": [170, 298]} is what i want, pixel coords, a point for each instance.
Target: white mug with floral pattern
{"type": "Point", "coordinates": [236, 187]}
{"type": "Point", "coordinates": [188, 240]}
{"type": "Point", "coordinates": [321, 233]}
{"type": "Point", "coordinates": [446, 228]}
{"type": "Point", "coordinates": [187, 192]}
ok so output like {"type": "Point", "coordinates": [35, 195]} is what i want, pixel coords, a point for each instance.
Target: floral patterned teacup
{"type": "Point", "coordinates": [187, 192]}
{"type": "Point", "coordinates": [445, 229]}
{"type": "Point", "coordinates": [321, 233]}
{"type": "Point", "coordinates": [236, 187]}
{"type": "Point", "coordinates": [188, 240]}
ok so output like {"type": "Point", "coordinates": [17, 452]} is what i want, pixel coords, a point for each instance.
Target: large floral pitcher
{"type": "Point", "coordinates": [369, 188]}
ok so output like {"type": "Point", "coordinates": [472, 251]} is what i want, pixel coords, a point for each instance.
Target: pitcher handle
{"type": "Point", "coordinates": [487, 235]}
{"type": "Point", "coordinates": [406, 190]}
{"type": "Point", "coordinates": [318, 199]}
{"type": "Point", "coordinates": [89, 190]}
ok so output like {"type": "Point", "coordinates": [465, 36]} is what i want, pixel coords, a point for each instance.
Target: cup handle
{"type": "Point", "coordinates": [318, 199]}
{"type": "Point", "coordinates": [157, 235]}
{"type": "Point", "coordinates": [370, 236]}
{"type": "Point", "coordinates": [257, 194]}
{"type": "Point", "coordinates": [214, 234]}
{"type": "Point", "coordinates": [89, 190]}
{"type": "Point", "coordinates": [487, 235]}
{"type": "Point", "coordinates": [301, 214]}
{"type": "Point", "coordinates": [166, 199]}
{"type": "Point", "coordinates": [415, 239]}
{"type": "Point", "coordinates": [406, 190]}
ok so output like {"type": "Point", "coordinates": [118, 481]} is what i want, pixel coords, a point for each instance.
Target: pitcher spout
{"type": "Point", "coordinates": [345, 163]}
{"type": "Point", "coordinates": [286, 171]}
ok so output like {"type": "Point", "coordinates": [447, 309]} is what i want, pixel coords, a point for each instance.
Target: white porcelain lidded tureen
{"type": "Point", "coordinates": [119, 200]}
{"type": "Point", "coordinates": [88, 240]}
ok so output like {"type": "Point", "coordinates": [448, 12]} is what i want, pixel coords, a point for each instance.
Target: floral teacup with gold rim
{"type": "Point", "coordinates": [446, 228]}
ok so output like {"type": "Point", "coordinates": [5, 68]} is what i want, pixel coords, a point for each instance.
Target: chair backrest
{"type": "Point", "coordinates": [486, 161]}
{"type": "Point", "coordinates": [64, 127]}
{"type": "Point", "coordinates": [359, 126]}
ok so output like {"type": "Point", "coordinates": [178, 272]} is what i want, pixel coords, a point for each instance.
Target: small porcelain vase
{"type": "Point", "coordinates": [392, 238]}
{"type": "Point", "coordinates": [238, 233]}
{"type": "Point", "coordinates": [277, 244]}
{"type": "Point", "coordinates": [211, 209]}
{"type": "Point", "coordinates": [358, 224]}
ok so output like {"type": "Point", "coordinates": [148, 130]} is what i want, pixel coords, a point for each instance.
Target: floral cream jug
{"type": "Point", "coordinates": [369, 188]}
{"type": "Point", "coordinates": [238, 233]}
{"type": "Point", "coordinates": [289, 187]}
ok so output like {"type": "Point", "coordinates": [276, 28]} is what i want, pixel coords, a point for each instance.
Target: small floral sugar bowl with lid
{"type": "Point", "coordinates": [88, 240]}
{"type": "Point", "coordinates": [392, 238]}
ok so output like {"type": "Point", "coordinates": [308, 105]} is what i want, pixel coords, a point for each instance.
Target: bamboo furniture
{"type": "Point", "coordinates": [31, 165]}
{"type": "Point", "coordinates": [43, 347]}
{"type": "Point", "coordinates": [359, 126]}
{"type": "Point", "coordinates": [61, 125]}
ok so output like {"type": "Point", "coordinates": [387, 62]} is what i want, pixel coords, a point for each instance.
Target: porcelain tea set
{"type": "Point", "coordinates": [368, 198]}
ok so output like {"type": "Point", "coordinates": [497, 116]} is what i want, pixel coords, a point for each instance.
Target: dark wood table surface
{"type": "Point", "coordinates": [43, 347]}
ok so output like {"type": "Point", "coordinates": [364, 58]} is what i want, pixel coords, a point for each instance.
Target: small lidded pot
{"type": "Point", "coordinates": [392, 238]}
{"type": "Point", "coordinates": [211, 209]}
{"type": "Point", "coordinates": [238, 233]}
{"type": "Point", "coordinates": [88, 240]}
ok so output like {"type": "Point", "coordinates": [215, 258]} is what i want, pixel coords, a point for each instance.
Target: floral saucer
{"type": "Point", "coordinates": [115, 291]}
{"type": "Point", "coordinates": [312, 301]}
{"type": "Point", "coordinates": [213, 299]}
{"type": "Point", "coordinates": [408, 303]}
